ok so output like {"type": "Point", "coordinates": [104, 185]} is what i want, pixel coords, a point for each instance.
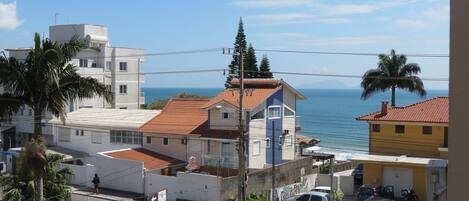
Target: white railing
{"type": "Point", "coordinates": [226, 160]}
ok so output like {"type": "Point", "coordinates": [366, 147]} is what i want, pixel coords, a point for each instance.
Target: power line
{"type": "Point", "coordinates": [349, 53]}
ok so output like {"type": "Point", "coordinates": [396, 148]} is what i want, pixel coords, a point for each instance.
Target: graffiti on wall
{"type": "Point", "coordinates": [288, 191]}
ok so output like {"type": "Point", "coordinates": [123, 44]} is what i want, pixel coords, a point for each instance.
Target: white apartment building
{"type": "Point", "coordinates": [117, 67]}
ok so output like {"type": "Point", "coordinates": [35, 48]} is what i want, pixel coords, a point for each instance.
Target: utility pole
{"type": "Point", "coordinates": [272, 146]}
{"type": "Point", "coordinates": [241, 145]}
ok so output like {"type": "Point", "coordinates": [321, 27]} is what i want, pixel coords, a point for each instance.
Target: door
{"type": "Point", "coordinates": [399, 178]}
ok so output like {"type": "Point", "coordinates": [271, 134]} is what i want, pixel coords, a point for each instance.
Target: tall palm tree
{"type": "Point", "coordinates": [20, 186]}
{"type": "Point", "coordinates": [46, 82]}
{"type": "Point", "coordinates": [392, 72]}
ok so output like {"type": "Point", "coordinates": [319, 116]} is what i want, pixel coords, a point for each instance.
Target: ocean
{"type": "Point", "coordinates": [326, 114]}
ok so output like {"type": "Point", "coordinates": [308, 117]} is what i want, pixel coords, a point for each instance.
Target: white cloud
{"type": "Point", "coordinates": [271, 3]}
{"type": "Point", "coordinates": [8, 18]}
{"type": "Point", "coordinates": [406, 23]}
{"type": "Point", "coordinates": [293, 18]}
{"type": "Point", "coordinates": [282, 18]}
{"type": "Point", "coordinates": [439, 14]}
{"type": "Point", "coordinates": [349, 9]}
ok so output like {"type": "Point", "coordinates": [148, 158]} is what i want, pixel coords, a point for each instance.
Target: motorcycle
{"type": "Point", "coordinates": [409, 195]}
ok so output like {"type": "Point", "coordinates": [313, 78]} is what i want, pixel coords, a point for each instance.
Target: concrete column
{"type": "Point", "coordinates": [459, 100]}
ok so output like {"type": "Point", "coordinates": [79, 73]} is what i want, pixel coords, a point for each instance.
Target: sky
{"type": "Point", "coordinates": [408, 26]}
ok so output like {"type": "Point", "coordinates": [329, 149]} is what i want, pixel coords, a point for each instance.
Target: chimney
{"type": "Point", "coordinates": [384, 107]}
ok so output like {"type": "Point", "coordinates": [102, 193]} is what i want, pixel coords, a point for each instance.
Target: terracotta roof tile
{"type": "Point", "coordinates": [151, 160]}
{"type": "Point", "coordinates": [433, 110]}
{"type": "Point", "coordinates": [179, 116]}
{"type": "Point", "coordinates": [252, 97]}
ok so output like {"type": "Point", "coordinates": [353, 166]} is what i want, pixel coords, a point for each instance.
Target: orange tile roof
{"type": "Point", "coordinates": [252, 97]}
{"type": "Point", "coordinates": [151, 160]}
{"type": "Point", "coordinates": [179, 116]}
{"type": "Point", "coordinates": [433, 110]}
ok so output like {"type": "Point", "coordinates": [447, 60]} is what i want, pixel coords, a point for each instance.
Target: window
{"type": "Point", "coordinates": [184, 140]}
{"type": "Point", "coordinates": [125, 137]}
{"type": "Point", "coordinates": [208, 146]}
{"type": "Point", "coordinates": [123, 66]}
{"type": "Point", "coordinates": [123, 108]}
{"type": "Point", "coordinates": [165, 141]}
{"type": "Point", "coordinates": [256, 148]}
{"type": "Point", "coordinates": [148, 141]}
{"type": "Point", "coordinates": [426, 130]}
{"type": "Point", "coordinates": [108, 65]}
{"type": "Point", "coordinates": [287, 112]}
{"type": "Point", "coordinates": [274, 112]}
{"type": "Point", "coordinates": [227, 115]}
{"type": "Point", "coordinates": [83, 62]}
{"type": "Point", "coordinates": [376, 128]}
{"type": "Point", "coordinates": [400, 129]}
{"type": "Point", "coordinates": [82, 132]}
{"type": "Point", "coordinates": [123, 89]}
{"type": "Point", "coordinates": [64, 134]}
{"type": "Point", "coordinates": [96, 138]}
{"type": "Point", "coordinates": [316, 198]}
{"type": "Point", "coordinates": [30, 112]}
{"type": "Point", "coordinates": [94, 65]}
{"type": "Point", "coordinates": [259, 115]}
{"type": "Point", "coordinates": [267, 143]}
{"type": "Point", "coordinates": [304, 197]}
{"type": "Point", "coordinates": [77, 132]}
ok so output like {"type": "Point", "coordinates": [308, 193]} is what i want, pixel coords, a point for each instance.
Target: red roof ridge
{"type": "Point", "coordinates": [418, 103]}
{"type": "Point", "coordinates": [419, 112]}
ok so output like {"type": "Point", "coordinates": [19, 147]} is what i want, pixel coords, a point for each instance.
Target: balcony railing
{"type": "Point", "coordinates": [225, 160]}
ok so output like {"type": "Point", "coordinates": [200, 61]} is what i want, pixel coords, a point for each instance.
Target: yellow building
{"type": "Point", "coordinates": [420, 129]}
{"type": "Point", "coordinates": [425, 175]}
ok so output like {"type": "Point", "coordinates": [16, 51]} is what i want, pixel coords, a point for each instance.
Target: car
{"type": "Point", "coordinates": [324, 189]}
{"type": "Point", "coordinates": [310, 196]}
{"type": "Point", "coordinates": [357, 174]}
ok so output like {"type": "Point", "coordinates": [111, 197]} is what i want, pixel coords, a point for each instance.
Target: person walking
{"type": "Point", "coordinates": [96, 182]}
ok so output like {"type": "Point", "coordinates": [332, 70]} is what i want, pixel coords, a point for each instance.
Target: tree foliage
{"type": "Point", "coordinates": [240, 43]}
{"type": "Point", "coordinates": [20, 186]}
{"type": "Point", "coordinates": [159, 104]}
{"type": "Point", "coordinates": [264, 68]}
{"type": "Point", "coordinates": [46, 81]}
{"type": "Point", "coordinates": [249, 60]}
{"type": "Point", "coordinates": [392, 72]}
{"type": "Point", "coordinates": [250, 63]}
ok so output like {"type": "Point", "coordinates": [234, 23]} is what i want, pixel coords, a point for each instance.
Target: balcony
{"type": "Point", "coordinates": [223, 160]}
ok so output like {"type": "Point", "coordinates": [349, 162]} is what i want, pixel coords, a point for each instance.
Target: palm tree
{"type": "Point", "coordinates": [46, 82]}
{"type": "Point", "coordinates": [392, 72]}
{"type": "Point", "coordinates": [20, 186]}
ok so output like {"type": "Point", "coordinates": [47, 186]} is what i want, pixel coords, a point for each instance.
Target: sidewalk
{"type": "Point", "coordinates": [104, 194]}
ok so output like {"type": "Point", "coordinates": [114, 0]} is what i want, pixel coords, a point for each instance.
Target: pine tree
{"type": "Point", "coordinates": [250, 63]}
{"type": "Point", "coordinates": [240, 42]}
{"type": "Point", "coordinates": [264, 68]}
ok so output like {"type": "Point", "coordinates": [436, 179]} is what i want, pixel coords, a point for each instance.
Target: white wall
{"type": "Point", "coordinates": [198, 187]}
{"type": "Point", "coordinates": [84, 143]}
{"type": "Point", "coordinates": [216, 121]}
{"type": "Point", "coordinates": [174, 148]}
{"type": "Point", "coordinates": [82, 174]}
{"type": "Point", "coordinates": [289, 100]}
{"type": "Point", "coordinates": [119, 174]}
{"type": "Point", "coordinates": [155, 183]}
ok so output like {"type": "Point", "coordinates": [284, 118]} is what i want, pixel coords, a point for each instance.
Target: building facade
{"type": "Point", "coordinates": [93, 130]}
{"type": "Point", "coordinates": [208, 129]}
{"type": "Point", "coordinates": [117, 67]}
{"type": "Point", "coordinates": [420, 129]}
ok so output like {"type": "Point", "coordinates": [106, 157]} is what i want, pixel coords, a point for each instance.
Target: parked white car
{"type": "Point", "coordinates": [310, 196]}
{"type": "Point", "coordinates": [324, 189]}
